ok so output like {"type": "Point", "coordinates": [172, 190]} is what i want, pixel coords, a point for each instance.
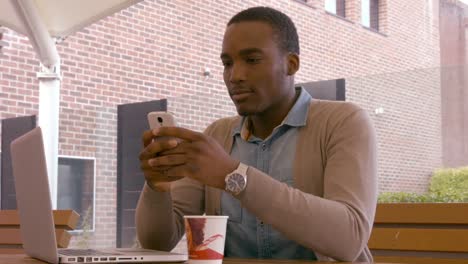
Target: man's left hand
{"type": "Point", "coordinates": [197, 156]}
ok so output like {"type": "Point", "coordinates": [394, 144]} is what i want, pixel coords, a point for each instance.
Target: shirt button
{"type": "Point", "coordinates": [263, 147]}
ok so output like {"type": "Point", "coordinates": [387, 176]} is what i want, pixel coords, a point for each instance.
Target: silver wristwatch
{"type": "Point", "coordinates": [236, 181]}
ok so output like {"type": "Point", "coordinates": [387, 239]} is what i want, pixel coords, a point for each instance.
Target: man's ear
{"type": "Point", "coordinates": [293, 63]}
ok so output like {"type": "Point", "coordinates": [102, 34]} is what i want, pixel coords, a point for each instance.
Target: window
{"type": "Point", "coordinates": [75, 188]}
{"type": "Point", "coordinates": [336, 7]}
{"type": "Point", "coordinates": [370, 13]}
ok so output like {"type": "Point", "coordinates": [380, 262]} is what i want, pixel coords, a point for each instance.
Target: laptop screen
{"type": "Point", "coordinates": [33, 196]}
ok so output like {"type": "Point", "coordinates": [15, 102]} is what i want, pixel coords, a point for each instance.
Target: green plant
{"type": "Point", "coordinates": [401, 197]}
{"type": "Point", "coordinates": [448, 185]}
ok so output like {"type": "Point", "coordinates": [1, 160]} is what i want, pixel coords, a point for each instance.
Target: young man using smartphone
{"type": "Point", "coordinates": [295, 175]}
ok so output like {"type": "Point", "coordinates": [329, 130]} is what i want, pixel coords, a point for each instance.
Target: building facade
{"type": "Point", "coordinates": [388, 53]}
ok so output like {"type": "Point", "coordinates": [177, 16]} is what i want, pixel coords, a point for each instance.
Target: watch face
{"type": "Point", "coordinates": [235, 183]}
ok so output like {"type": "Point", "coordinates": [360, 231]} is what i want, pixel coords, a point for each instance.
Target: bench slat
{"type": "Point", "coordinates": [419, 239]}
{"type": "Point", "coordinates": [13, 237]}
{"type": "Point", "coordinates": [421, 213]}
{"type": "Point", "coordinates": [418, 260]}
{"type": "Point", "coordinates": [67, 219]}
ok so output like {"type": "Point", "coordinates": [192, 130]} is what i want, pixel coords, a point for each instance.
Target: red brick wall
{"type": "Point", "coordinates": [159, 49]}
{"type": "Point", "coordinates": [19, 93]}
{"type": "Point", "coordinates": [409, 130]}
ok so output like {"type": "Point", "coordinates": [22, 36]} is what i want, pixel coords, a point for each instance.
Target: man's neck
{"type": "Point", "coordinates": [262, 124]}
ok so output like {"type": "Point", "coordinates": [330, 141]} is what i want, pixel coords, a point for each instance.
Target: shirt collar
{"type": "Point", "coordinates": [297, 116]}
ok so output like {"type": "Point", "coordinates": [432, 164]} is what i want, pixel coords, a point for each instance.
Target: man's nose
{"type": "Point", "coordinates": [237, 73]}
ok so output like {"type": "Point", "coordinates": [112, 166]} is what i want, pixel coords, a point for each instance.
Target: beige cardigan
{"type": "Point", "coordinates": [330, 209]}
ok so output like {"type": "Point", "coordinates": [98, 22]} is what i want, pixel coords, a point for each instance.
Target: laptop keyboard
{"type": "Point", "coordinates": [84, 252]}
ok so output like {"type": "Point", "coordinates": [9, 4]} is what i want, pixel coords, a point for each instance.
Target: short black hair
{"type": "Point", "coordinates": [283, 26]}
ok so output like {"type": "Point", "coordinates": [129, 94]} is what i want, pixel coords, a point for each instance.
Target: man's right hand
{"type": "Point", "coordinates": [156, 176]}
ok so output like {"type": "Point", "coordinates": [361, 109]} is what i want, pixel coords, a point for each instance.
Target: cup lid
{"type": "Point", "coordinates": [206, 216]}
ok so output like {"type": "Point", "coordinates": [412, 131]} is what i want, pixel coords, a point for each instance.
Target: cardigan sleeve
{"type": "Point", "coordinates": [159, 215]}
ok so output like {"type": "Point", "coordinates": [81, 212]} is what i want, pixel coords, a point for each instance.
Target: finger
{"type": "Point", "coordinates": [147, 137]}
{"type": "Point", "coordinates": [183, 147]}
{"type": "Point", "coordinates": [146, 166]}
{"type": "Point", "coordinates": [179, 132]}
{"type": "Point", "coordinates": [177, 172]}
{"type": "Point", "coordinates": [146, 154]}
{"type": "Point", "coordinates": [157, 146]}
{"type": "Point", "coordinates": [169, 160]}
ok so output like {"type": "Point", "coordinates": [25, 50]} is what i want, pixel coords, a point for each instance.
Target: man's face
{"type": "Point", "coordinates": [255, 68]}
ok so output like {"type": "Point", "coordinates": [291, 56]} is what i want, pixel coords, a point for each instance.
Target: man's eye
{"type": "Point", "coordinates": [253, 60]}
{"type": "Point", "coordinates": [227, 63]}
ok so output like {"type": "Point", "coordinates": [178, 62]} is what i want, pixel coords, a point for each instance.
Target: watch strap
{"type": "Point", "coordinates": [242, 169]}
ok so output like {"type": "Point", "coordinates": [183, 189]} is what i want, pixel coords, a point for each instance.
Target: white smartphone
{"type": "Point", "coordinates": [160, 119]}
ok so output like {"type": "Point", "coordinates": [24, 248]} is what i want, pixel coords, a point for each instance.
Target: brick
{"type": "Point", "coordinates": [9, 76]}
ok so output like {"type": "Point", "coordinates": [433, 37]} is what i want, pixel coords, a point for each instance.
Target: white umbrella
{"type": "Point", "coordinates": [42, 21]}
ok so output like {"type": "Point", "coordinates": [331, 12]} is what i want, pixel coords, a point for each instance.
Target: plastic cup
{"type": "Point", "coordinates": [205, 238]}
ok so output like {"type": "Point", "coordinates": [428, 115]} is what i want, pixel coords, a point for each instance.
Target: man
{"type": "Point", "coordinates": [295, 175]}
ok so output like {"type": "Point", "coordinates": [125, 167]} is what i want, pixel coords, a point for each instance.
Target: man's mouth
{"type": "Point", "coordinates": [240, 95]}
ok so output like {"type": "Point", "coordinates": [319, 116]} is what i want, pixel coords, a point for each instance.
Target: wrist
{"type": "Point", "coordinates": [232, 166]}
{"type": "Point", "coordinates": [236, 181]}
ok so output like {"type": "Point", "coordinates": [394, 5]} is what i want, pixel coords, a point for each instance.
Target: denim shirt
{"type": "Point", "coordinates": [247, 236]}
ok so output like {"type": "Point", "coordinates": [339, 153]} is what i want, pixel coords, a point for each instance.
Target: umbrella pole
{"type": "Point", "coordinates": [49, 85]}
{"type": "Point", "coordinates": [49, 105]}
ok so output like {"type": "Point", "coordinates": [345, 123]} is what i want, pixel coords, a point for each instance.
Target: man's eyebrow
{"type": "Point", "coordinates": [243, 52]}
{"type": "Point", "coordinates": [224, 56]}
{"type": "Point", "coordinates": [250, 51]}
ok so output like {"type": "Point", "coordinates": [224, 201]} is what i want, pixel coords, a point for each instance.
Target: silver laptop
{"type": "Point", "coordinates": [35, 212]}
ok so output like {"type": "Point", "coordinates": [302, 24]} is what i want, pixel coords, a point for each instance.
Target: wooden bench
{"type": "Point", "coordinates": [10, 236]}
{"type": "Point", "coordinates": [420, 233]}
